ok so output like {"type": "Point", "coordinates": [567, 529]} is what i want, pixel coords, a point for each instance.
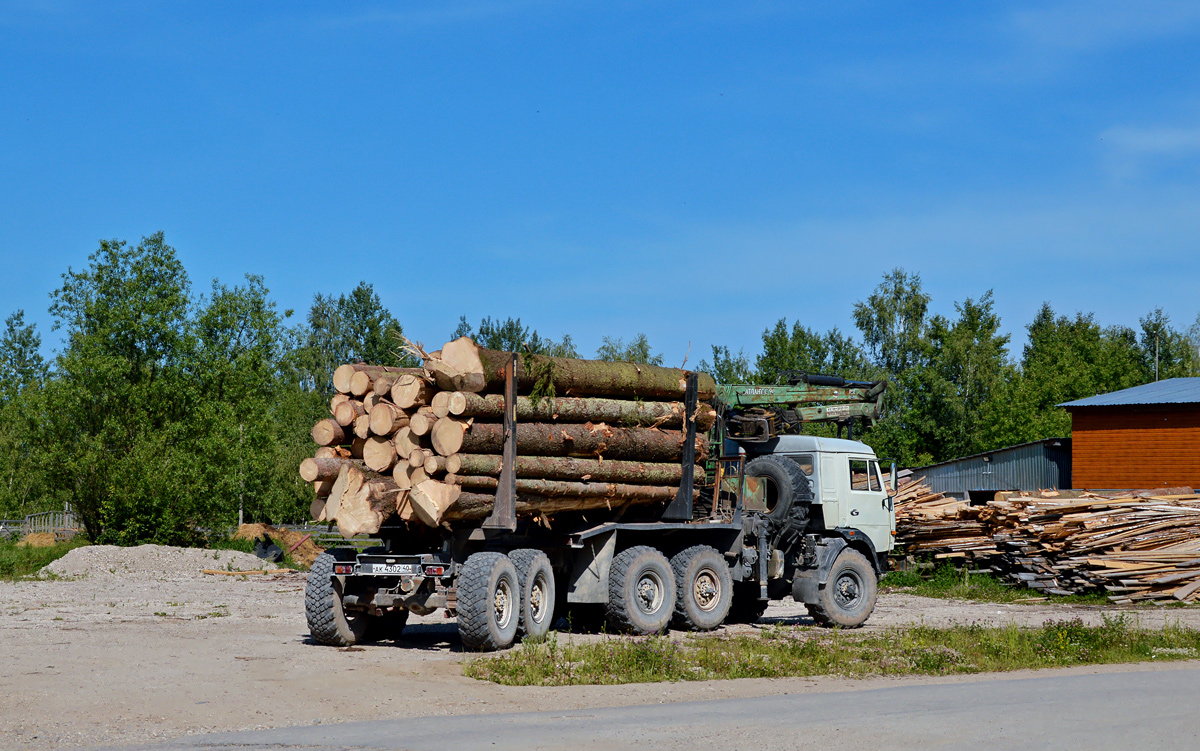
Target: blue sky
{"type": "Point", "coordinates": [694, 171]}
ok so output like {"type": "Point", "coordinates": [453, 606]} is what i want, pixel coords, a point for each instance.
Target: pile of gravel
{"type": "Point", "coordinates": [151, 562]}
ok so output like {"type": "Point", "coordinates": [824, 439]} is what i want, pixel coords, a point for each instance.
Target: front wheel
{"type": "Point", "coordinates": [848, 598]}
{"type": "Point", "coordinates": [489, 602]}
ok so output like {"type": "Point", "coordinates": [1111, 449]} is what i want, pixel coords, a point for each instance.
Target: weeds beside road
{"type": "Point", "coordinates": [802, 651]}
{"type": "Point", "coordinates": [949, 582]}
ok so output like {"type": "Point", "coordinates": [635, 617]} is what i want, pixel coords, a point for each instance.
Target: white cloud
{"type": "Point", "coordinates": [1153, 141]}
{"type": "Point", "coordinates": [1087, 25]}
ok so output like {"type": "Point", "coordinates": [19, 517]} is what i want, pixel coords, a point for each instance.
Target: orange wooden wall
{"type": "Point", "coordinates": [1135, 447]}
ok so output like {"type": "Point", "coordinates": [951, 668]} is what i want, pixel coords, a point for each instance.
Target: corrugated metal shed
{"type": "Point", "coordinates": [1170, 391]}
{"type": "Point", "coordinates": [1027, 466]}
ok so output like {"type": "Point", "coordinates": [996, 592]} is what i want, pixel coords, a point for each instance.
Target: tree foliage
{"type": "Point", "coordinates": [511, 336]}
{"type": "Point", "coordinates": [635, 350]}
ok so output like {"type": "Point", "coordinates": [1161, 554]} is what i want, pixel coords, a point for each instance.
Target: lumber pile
{"type": "Point", "coordinates": [1134, 546]}
{"type": "Point", "coordinates": [425, 444]}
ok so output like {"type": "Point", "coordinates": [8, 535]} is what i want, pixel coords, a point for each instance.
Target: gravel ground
{"type": "Point", "coordinates": [147, 653]}
{"type": "Point", "coordinates": [153, 562]}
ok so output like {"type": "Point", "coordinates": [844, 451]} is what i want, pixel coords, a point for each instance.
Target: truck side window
{"type": "Point", "coordinates": [860, 477]}
{"type": "Point", "coordinates": [876, 482]}
{"type": "Point", "coordinates": [806, 463]}
{"type": "Point", "coordinates": [878, 473]}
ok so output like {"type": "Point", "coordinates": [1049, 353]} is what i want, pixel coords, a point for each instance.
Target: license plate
{"type": "Point", "coordinates": [391, 568]}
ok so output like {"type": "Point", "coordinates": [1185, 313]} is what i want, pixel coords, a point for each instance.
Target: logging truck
{"type": "Point", "coordinates": [539, 524]}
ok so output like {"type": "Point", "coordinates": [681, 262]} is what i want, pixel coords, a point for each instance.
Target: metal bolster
{"type": "Point", "coordinates": [680, 509]}
{"type": "Point", "coordinates": [504, 510]}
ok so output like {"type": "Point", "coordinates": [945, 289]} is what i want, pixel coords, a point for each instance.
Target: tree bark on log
{"type": "Point", "coordinates": [566, 489]}
{"type": "Point", "coordinates": [545, 439]}
{"type": "Point", "coordinates": [621, 412]}
{"type": "Point", "coordinates": [568, 468]}
{"type": "Point", "coordinates": [329, 433]}
{"type": "Point", "coordinates": [387, 418]}
{"type": "Point", "coordinates": [475, 506]}
{"type": "Point", "coordinates": [561, 376]}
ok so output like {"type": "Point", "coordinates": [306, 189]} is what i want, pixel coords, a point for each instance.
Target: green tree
{"type": "Point", "coordinates": [118, 423]}
{"type": "Point", "coordinates": [893, 322]}
{"type": "Point", "coordinates": [353, 327]}
{"type": "Point", "coordinates": [805, 350]}
{"type": "Point", "coordinates": [636, 350]}
{"type": "Point", "coordinates": [511, 336]}
{"type": "Point", "coordinates": [1166, 352]}
{"type": "Point", "coordinates": [21, 363]}
{"type": "Point", "coordinates": [727, 367]}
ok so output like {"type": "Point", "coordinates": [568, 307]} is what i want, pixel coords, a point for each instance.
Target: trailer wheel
{"type": "Point", "coordinates": [746, 607]}
{"type": "Point", "coordinates": [848, 598]}
{"type": "Point", "coordinates": [703, 588]}
{"type": "Point", "coordinates": [327, 621]}
{"type": "Point", "coordinates": [641, 591]}
{"type": "Point", "coordinates": [536, 576]}
{"type": "Point", "coordinates": [489, 602]}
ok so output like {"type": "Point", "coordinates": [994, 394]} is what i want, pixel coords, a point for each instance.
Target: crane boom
{"type": "Point", "coordinates": [757, 413]}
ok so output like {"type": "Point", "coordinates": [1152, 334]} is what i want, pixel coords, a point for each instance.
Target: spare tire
{"type": "Point", "coordinates": [786, 485]}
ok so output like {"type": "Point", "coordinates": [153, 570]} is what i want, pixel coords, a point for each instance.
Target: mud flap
{"type": "Point", "coordinates": [807, 584]}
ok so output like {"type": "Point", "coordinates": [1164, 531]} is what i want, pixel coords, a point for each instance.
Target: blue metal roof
{"type": "Point", "coordinates": [1170, 391]}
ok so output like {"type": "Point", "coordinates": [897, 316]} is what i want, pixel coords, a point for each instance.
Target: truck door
{"type": "Point", "coordinates": [868, 508]}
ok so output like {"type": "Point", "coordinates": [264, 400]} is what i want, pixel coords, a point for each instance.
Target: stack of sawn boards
{"type": "Point", "coordinates": [1134, 545]}
{"type": "Point", "coordinates": [425, 444]}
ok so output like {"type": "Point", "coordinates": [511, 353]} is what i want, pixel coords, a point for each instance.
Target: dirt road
{"type": "Point", "coordinates": [122, 660]}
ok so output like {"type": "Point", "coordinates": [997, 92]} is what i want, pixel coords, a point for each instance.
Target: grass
{"type": "Point", "coordinates": [20, 562]}
{"type": "Point", "coordinates": [946, 582]}
{"type": "Point", "coordinates": [798, 651]}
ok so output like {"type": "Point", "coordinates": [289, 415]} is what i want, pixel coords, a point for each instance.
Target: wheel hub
{"type": "Point", "coordinates": [649, 593]}
{"type": "Point", "coordinates": [847, 590]}
{"type": "Point", "coordinates": [502, 604]}
{"type": "Point", "coordinates": [707, 590]}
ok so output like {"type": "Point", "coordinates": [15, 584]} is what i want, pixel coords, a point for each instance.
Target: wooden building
{"type": "Point", "coordinates": [1144, 437]}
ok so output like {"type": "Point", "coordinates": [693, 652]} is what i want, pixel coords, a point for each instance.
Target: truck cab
{"type": "Point", "coordinates": [847, 484]}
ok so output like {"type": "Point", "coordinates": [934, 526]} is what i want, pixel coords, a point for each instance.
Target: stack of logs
{"type": "Point", "coordinates": [1134, 546]}
{"type": "Point", "coordinates": [425, 444]}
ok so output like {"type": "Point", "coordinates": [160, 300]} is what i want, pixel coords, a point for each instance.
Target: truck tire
{"type": "Point", "coordinates": [641, 591]}
{"type": "Point", "coordinates": [703, 589]}
{"type": "Point", "coordinates": [848, 598]}
{"type": "Point", "coordinates": [327, 621]}
{"type": "Point", "coordinates": [786, 484]}
{"type": "Point", "coordinates": [489, 602]}
{"type": "Point", "coordinates": [746, 607]}
{"type": "Point", "coordinates": [536, 577]}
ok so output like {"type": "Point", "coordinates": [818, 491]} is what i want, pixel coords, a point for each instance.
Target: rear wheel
{"type": "Point", "coordinates": [536, 577]}
{"type": "Point", "coordinates": [328, 622]}
{"type": "Point", "coordinates": [848, 598]}
{"type": "Point", "coordinates": [703, 588]}
{"type": "Point", "coordinates": [641, 591]}
{"type": "Point", "coordinates": [489, 602]}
